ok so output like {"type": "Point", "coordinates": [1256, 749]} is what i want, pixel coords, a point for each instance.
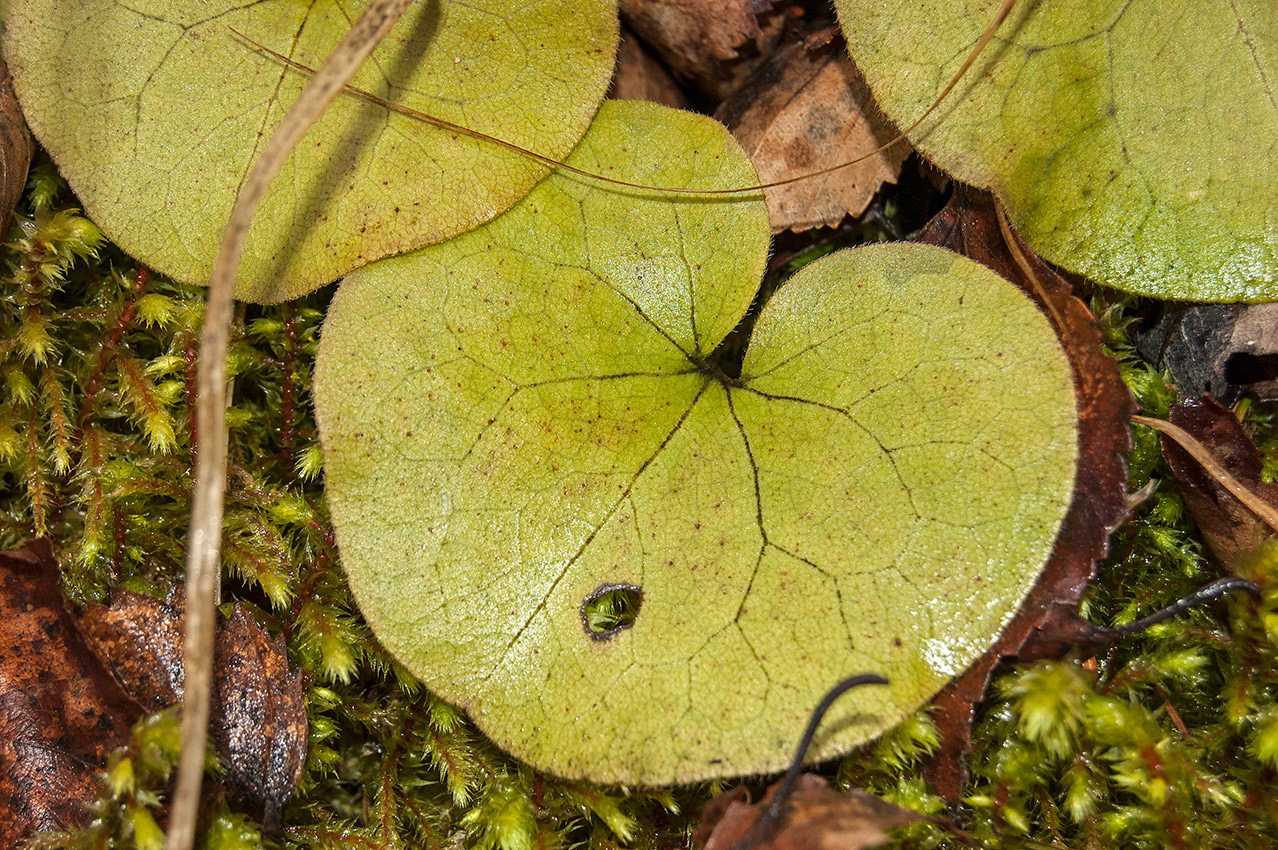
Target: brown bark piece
{"type": "Point", "coordinates": [639, 76]}
{"type": "Point", "coordinates": [259, 709]}
{"type": "Point", "coordinates": [1048, 623]}
{"type": "Point", "coordinates": [1222, 350]}
{"type": "Point", "coordinates": [1228, 526]}
{"type": "Point", "coordinates": [16, 149]}
{"type": "Point", "coordinates": [806, 109]}
{"type": "Point", "coordinates": [703, 42]}
{"type": "Point", "coordinates": [816, 817]}
{"type": "Point", "coordinates": [61, 712]}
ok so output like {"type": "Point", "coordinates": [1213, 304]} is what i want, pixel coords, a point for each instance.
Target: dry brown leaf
{"type": "Point", "coordinates": [259, 716]}
{"type": "Point", "coordinates": [61, 712]}
{"type": "Point", "coordinates": [1229, 527]}
{"type": "Point", "coordinates": [639, 76]}
{"type": "Point", "coordinates": [806, 109]}
{"type": "Point", "coordinates": [140, 639]}
{"type": "Point", "coordinates": [705, 42]}
{"type": "Point", "coordinates": [16, 149]}
{"type": "Point", "coordinates": [815, 817]}
{"type": "Point", "coordinates": [692, 34]}
{"type": "Point", "coordinates": [259, 708]}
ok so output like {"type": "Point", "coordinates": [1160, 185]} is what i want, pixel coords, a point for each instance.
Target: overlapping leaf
{"type": "Point", "coordinates": [532, 414]}
{"type": "Point", "coordinates": [1130, 142]}
{"type": "Point", "coordinates": [154, 112]}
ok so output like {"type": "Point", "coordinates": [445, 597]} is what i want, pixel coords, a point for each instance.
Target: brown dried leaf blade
{"type": "Point", "coordinates": [16, 149]}
{"type": "Point", "coordinates": [816, 817]}
{"type": "Point", "coordinates": [140, 639]}
{"type": "Point", "coordinates": [1048, 624]}
{"type": "Point", "coordinates": [639, 76]}
{"type": "Point", "coordinates": [806, 109]}
{"type": "Point", "coordinates": [61, 712]}
{"type": "Point", "coordinates": [1230, 528]}
{"type": "Point", "coordinates": [706, 42]}
{"type": "Point", "coordinates": [259, 708]}
{"type": "Point", "coordinates": [259, 713]}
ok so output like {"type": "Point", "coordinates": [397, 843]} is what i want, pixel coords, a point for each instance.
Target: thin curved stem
{"type": "Point", "coordinates": [1216, 589]}
{"type": "Point", "coordinates": [999, 17]}
{"type": "Point", "coordinates": [771, 816]}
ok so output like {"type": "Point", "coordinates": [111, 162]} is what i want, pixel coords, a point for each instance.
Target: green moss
{"type": "Point", "coordinates": [1171, 739]}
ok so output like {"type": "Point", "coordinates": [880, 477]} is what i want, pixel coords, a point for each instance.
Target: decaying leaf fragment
{"type": "Point", "coordinates": [140, 638]}
{"type": "Point", "coordinates": [1230, 528]}
{"type": "Point", "coordinates": [259, 710]}
{"type": "Point", "coordinates": [815, 817]}
{"type": "Point", "coordinates": [806, 109]}
{"type": "Point", "coordinates": [259, 718]}
{"type": "Point", "coordinates": [61, 711]}
{"type": "Point", "coordinates": [640, 76]}
{"type": "Point", "coordinates": [711, 43]}
{"type": "Point", "coordinates": [15, 149]}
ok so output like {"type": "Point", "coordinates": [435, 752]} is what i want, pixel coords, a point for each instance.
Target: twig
{"type": "Point", "coordinates": [1023, 263]}
{"type": "Point", "coordinates": [204, 543]}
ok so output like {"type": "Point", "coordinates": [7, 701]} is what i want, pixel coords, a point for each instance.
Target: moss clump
{"type": "Point", "coordinates": [1169, 740]}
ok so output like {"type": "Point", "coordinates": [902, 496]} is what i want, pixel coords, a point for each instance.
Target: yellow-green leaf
{"type": "Point", "coordinates": [154, 111]}
{"type": "Point", "coordinates": [534, 414]}
{"type": "Point", "coordinates": [1130, 142]}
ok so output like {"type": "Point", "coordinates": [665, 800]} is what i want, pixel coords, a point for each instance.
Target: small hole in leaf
{"type": "Point", "coordinates": [610, 609]}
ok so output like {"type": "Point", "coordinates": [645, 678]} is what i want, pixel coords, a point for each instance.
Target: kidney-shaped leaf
{"type": "Point", "coordinates": [530, 421]}
{"type": "Point", "coordinates": [154, 111]}
{"type": "Point", "coordinates": [1131, 142]}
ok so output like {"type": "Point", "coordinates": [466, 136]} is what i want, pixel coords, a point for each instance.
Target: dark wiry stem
{"type": "Point", "coordinates": [1217, 588]}
{"type": "Point", "coordinates": [767, 822]}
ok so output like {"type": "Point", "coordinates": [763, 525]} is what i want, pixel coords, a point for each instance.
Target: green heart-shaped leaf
{"type": "Point", "coordinates": [1131, 142]}
{"type": "Point", "coordinates": [530, 416]}
{"type": "Point", "coordinates": [154, 111]}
